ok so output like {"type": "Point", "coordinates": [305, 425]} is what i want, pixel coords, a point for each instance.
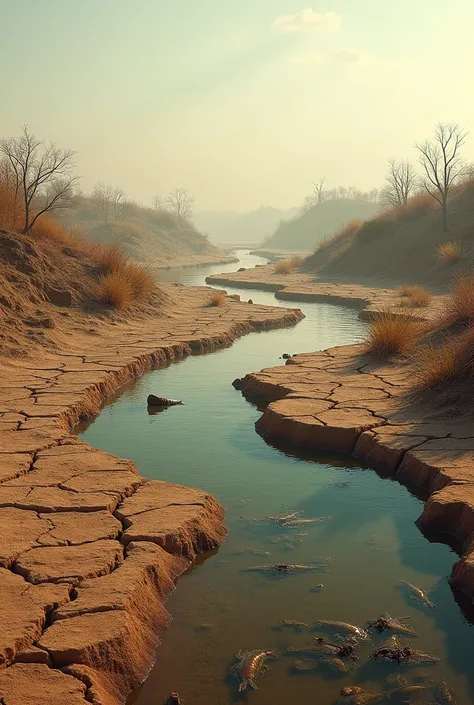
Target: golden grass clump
{"type": "Point", "coordinates": [414, 296]}
{"type": "Point", "coordinates": [437, 366]}
{"type": "Point", "coordinates": [449, 251]}
{"type": "Point", "coordinates": [110, 257]}
{"type": "Point", "coordinates": [460, 305]}
{"type": "Point", "coordinates": [420, 202]}
{"type": "Point", "coordinates": [392, 333]}
{"type": "Point", "coordinates": [287, 266]}
{"type": "Point", "coordinates": [126, 285]}
{"type": "Point", "coordinates": [217, 298]}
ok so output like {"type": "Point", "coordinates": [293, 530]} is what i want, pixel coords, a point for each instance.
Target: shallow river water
{"type": "Point", "coordinates": [369, 535]}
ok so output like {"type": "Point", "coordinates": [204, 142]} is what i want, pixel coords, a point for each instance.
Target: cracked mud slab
{"type": "Point", "coordinates": [89, 550]}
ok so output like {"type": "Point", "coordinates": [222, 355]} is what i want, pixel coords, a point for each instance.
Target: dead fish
{"type": "Point", "coordinates": [317, 588]}
{"type": "Point", "coordinates": [342, 627]}
{"type": "Point", "coordinates": [386, 622]}
{"type": "Point", "coordinates": [285, 517]}
{"type": "Point", "coordinates": [403, 655]}
{"type": "Point", "coordinates": [405, 692]}
{"type": "Point", "coordinates": [303, 522]}
{"type": "Point", "coordinates": [315, 650]}
{"type": "Point", "coordinates": [444, 694]}
{"type": "Point", "coordinates": [293, 624]}
{"type": "Point", "coordinates": [283, 568]}
{"type": "Point", "coordinates": [417, 593]}
{"type": "Point", "coordinates": [293, 538]}
{"type": "Point", "coordinates": [250, 666]}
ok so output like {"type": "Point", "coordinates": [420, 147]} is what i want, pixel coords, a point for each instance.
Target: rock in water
{"type": "Point", "coordinates": [153, 400]}
{"type": "Point", "coordinates": [286, 356]}
{"type": "Point", "coordinates": [237, 383]}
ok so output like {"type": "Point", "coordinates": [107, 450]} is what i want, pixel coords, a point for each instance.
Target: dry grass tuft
{"type": "Point", "coordinates": [420, 202]}
{"type": "Point", "coordinates": [217, 298]}
{"type": "Point", "coordinates": [287, 266]}
{"type": "Point", "coordinates": [340, 252]}
{"type": "Point", "coordinates": [111, 258]}
{"type": "Point", "coordinates": [414, 296]}
{"type": "Point", "coordinates": [437, 366]}
{"type": "Point", "coordinates": [460, 305]}
{"type": "Point", "coordinates": [126, 285]}
{"type": "Point", "coordinates": [449, 251]}
{"type": "Point", "coordinates": [115, 289]}
{"type": "Point", "coordinates": [392, 333]}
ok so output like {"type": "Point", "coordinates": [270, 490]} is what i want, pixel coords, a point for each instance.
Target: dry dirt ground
{"type": "Point", "coordinates": [303, 286]}
{"type": "Point", "coordinates": [90, 550]}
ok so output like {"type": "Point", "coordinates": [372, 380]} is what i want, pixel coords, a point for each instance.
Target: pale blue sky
{"type": "Point", "coordinates": [244, 102]}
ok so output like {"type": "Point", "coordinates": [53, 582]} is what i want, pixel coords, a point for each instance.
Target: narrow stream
{"type": "Point", "coordinates": [369, 534]}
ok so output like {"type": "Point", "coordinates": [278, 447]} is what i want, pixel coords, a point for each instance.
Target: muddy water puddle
{"type": "Point", "coordinates": [366, 542]}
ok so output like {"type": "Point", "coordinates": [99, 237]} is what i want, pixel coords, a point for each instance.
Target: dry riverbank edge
{"type": "Point", "coordinates": [90, 550]}
{"type": "Point", "coordinates": [339, 400]}
{"type": "Point", "coordinates": [305, 287]}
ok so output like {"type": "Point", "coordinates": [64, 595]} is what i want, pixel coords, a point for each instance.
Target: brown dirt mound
{"type": "Point", "coordinates": [45, 281]}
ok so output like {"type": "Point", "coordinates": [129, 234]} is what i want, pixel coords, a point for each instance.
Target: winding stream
{"type": "Point", "coordinates": [370, 536]}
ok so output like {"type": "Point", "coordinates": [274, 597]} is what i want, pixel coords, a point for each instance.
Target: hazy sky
{"type": "Point", "coordinates": [243, 102]}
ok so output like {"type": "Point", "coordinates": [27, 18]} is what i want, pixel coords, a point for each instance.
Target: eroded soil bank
{"type": "Point", "coordinates": [90, 550]}
{"type": "Point", "coordinates": [301, 286]}
{"type": "Point", "coordinates": [339, 400]}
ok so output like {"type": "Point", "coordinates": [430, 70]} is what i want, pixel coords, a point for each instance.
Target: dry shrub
{"type": "Point", "coordinates": [115, 289]}
{"type": "Point", "coordinates": [125, 285]}
{"type": "Point", "coordinates": [460, 305]}
{"type": "Point", "coordinates": [449, 251]}
{"type": "Point", "coordinates": [437, 366]}
{"type": "Point", "coordinates": [420, 202]}
{"type": "Point", "coordinates": [110, 257]}
{"type": "Point", "coordinates": [217, 298]}
{"type": "Point", "coordinates": [392, 333]}
{"type": "Point", "coordinates": [379, 227]}
{"type": "Point", "coordinates": [414, 296]}
{"type": "Point", "coordinates": [47, 229]}
{"type": "Point", "coordinates": [287, 266]}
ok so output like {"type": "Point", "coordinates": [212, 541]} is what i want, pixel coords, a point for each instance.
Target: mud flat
{"type": "Point", "coordinates": [301, 286]}
{"type": "Point", "coordinates": [339, 400]}
{"type": "Point", "coordinates": [90, 550]}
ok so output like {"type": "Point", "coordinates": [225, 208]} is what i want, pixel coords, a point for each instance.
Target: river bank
{"type": "Point", "coordinates": [87, 542]}
{"type": "Point", "coordinates": [305, 287]}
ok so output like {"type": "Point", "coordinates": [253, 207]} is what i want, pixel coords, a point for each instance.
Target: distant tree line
{"type": "Point", "coordinates": [442, 167]}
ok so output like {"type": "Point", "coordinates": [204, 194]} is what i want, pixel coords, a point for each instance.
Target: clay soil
{"type": "Point", "coordinates": [90, 550]}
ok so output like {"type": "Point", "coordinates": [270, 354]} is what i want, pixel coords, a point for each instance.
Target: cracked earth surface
{"type": "Point", "coordinates": [302, 286]}
{"type": "Point", "coordinates": [338, 400]}
{"type": "Point", "coordinates": [89, 550]}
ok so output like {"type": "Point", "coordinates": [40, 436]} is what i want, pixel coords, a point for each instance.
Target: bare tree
{"type": "Point", "coordinates": [41, 173]}
{"type": "Point", "coordinates": [118, 203]}
{"type": "Point", "coordinates": [442, 163]}
{"type": "Point", "coordinates": [180, 202]}
{"type": "Point", "coordinates": [400, 182]}
{"type": "Point", "coordinates": [102, 196]}
{"type": "Point", "coordinates": [318, 190]}
{"type": "Point", "coordinates": [158, 203]}
{"type": "Point", "coordinates": [373, 195]}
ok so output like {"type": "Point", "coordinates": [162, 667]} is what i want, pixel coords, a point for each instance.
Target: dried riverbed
{"type": "Point", "coordinates": [370, 537]}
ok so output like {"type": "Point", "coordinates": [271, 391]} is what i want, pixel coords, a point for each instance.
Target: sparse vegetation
{"type": "Point", "coordinates": [449, 251]}
{"type": "Point", "coordinates": [436, 366]}
{"type": "Point", "coordinates": [217, 298]}
{"type": "Point", "coordinates": [287, 266]}
{"type": "Point", "coordinates": [392, 333]}
{"type": "Point", "coordinates": [125, 282]}
{"type": "Point", "coordinates": [115, 289]}
{"type": "Point", "coordinates": [414, 296]}
{"type": "Point", "coordinates": [460, 305]}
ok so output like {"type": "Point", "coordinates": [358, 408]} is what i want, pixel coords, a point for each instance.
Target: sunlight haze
{"type": "Point", "coordinates": [242, 103]}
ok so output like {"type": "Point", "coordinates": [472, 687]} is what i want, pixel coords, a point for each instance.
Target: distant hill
{"type": "Point", "coordinates": [402, 246]}
{"type": "Point", "coordinates": [304, 232]}
{"type": "Point", "coordinates": [231, 227]}
{"type": "Point", "coordinates": [153, 236]}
